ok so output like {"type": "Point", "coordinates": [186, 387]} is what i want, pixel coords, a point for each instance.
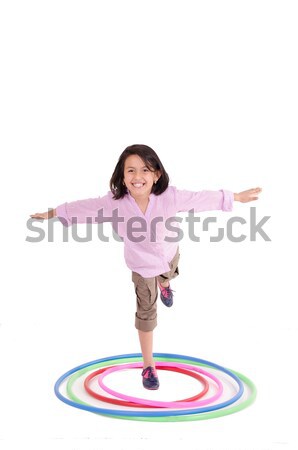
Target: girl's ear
{"type": "Point", "coordinates": [157, 175]}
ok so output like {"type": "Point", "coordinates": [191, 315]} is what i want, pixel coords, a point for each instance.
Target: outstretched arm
{"type": "Point", "coordinates": [248, 196]}
{"type": "Point", "coordinates": [93, 210]}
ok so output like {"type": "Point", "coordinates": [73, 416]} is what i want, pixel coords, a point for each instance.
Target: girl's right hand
{"type": "Point", "coordinates": [46, 215]}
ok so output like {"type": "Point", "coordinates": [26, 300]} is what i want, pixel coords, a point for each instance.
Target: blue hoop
{"type": "Point", "coordinates": [143, 415]}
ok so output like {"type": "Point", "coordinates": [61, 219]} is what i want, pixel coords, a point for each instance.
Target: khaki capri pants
{"type": "Point", "coordinates": [147, 292]}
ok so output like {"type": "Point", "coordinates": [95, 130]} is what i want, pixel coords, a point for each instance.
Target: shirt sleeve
{"type": "Point", "coordinates": [204, 200]}
{"type": "Point", "coordinates": [91, 210]}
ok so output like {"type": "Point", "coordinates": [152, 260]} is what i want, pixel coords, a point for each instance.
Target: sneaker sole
{"type": "Point", "coordinates": [168, 306]}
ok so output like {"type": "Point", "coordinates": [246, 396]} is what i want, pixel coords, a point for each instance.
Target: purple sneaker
{"type": "Point", "coordinates": [150, 379]}
{"type": "Point", "coordinates": [166, 295]}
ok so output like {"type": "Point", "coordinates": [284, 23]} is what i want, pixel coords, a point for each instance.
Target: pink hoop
{"type": "Point", "coordinates": [116, 401]}
{"type": "Point", "coordinates": [161, 404]}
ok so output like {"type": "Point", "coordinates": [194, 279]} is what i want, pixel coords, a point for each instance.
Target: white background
{"type": "Point", "coordinates": [212, 87]}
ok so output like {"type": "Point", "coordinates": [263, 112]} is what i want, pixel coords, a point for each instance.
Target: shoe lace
{"type": "Point", "coordinates": [149, 373]}
{"type": "Point", "coordinates": [167, 291]}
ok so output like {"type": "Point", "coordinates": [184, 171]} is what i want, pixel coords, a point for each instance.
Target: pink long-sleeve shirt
{"type": "Point", "coordinates": [150, 239]}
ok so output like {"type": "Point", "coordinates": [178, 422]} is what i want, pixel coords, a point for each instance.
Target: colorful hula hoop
{"type": "Point", "coordinates": [160, 404]}
{"type": "Point", "coordinates": [115, 401]}
{"type": "Point", "coordinates": [193, 414]}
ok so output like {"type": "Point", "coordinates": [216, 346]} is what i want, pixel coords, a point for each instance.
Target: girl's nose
{"type": "Point", "coordinates": [138, 176]}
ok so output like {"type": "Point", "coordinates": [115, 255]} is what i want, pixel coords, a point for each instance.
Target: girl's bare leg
{"type": "Point", "coordinates": [146, 341]}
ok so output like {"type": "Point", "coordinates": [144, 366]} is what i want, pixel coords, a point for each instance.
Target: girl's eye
{"type": "Point", "coordinates": [146, 170]}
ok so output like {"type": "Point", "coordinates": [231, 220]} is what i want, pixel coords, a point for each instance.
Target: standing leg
{"type": "Point", "coordinates": [145, 322]}
{"type": "Point", "coordinates": [146, 314]}
{"type": "Point", "coordinates": [146, 341]}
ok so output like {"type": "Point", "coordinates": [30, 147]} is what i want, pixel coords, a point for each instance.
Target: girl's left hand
{"type": "Point", "coordinates": [248, 196]}
{"type": "Point", "coordinates": [46, 215]}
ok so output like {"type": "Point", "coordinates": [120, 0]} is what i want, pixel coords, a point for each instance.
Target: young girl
{"type": "Point", "coordinates": [142, 208]}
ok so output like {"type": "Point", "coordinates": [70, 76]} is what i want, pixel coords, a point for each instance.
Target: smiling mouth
{"type": "Point", "coordinates": [138, 185]}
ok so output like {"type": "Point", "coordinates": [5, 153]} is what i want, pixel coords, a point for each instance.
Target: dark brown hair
{"type": "Point", "coordinates": [151, 160]}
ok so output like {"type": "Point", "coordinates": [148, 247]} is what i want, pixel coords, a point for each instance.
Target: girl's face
{"type": "Point", "coordinates": [138, 178]}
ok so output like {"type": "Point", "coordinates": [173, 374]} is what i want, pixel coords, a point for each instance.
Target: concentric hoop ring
{"type": "Point", "coordinates": [162, 404]}
{"type": "Point", "coordinates": [173, 416]}
{"type": "Point", "coordinates": [116, 401]}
